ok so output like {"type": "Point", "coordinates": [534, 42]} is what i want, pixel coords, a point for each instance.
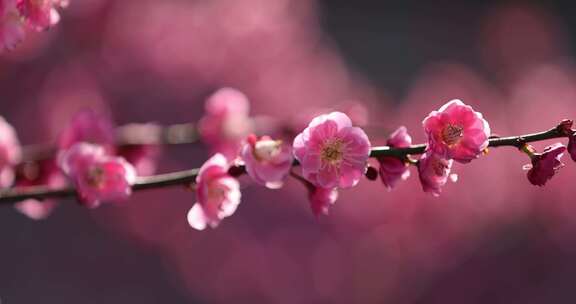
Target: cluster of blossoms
{"type": "Point", "coordinates": [19, 16]}
{"type": "Point", "coordinates": [329, 154]}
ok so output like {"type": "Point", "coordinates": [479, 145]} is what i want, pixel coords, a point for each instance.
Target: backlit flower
{"type": "Point", "coordinates": [97, 176]}
{"type": "Point", "coordinates": [457, 132]}
{"type": "Point", "coordinates": [546, 164]}
{"type": "Point", "coordinates": [393, 169]}
{"type": "Point", "coordinates": [321, 199]}
{"type": "Point", "coordinates": [217, 192]}
{"type": "Point", "coordinates": [332, 152]}
{"type": "Point", "coordinates": [267, 161]}
{"type": "Point", "coordinates": [434, 172]}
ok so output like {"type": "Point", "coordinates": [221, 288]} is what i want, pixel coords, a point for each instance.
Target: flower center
{"type": "Point", "coordinates": [265, 150]}
{"type": "Point", "coordinates": [332, 152]}
{"type": "Point", "coordinates": [95, 177]}
{"type": "Point", "coordinates": [451, 134]}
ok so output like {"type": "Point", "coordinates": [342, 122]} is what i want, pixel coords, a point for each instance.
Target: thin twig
{"type": "Point", "coordinates": [187, 177]}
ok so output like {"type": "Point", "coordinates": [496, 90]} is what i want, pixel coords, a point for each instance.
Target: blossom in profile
{"type": "Point", "coordinates": [10, 153]}
{"type": "Point", "coordinates": [544, 165]}
{"type": "Point", "coordinates": [217, 193]}
{"type": "Point", "coordinates": [97, 176]}
{"type": "Point", "coordinates": [90, 127]}
{"type": "Point", "coordinates": [226, 122]}
{"type": "Point", "coordinates": [40, 14]}
{"type": "Point", "coordinates": [572, 146]}
{"type": "Point", "coordinates": [38, 173]}
{"type": "Point", "coordinates": [332, 152]}
{"type": "Point", "coordinates": [434, 172]}
{"type": "Point", "coordinates": [321, 199]}
{"type": "Point", "coordinates": [393, 169]}
{"type": "Point", "coordinates": [12, 29]}
{"type": "Point", "coordinates": [457, 132]}
{"type": "Point", "coordinates": [267, 161]}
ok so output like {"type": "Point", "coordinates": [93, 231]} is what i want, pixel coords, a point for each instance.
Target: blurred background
{"type": "Point", "coordinates": [489, 238]}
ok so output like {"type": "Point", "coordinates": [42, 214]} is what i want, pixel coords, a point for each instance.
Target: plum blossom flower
{"type": "Point", "coordinates": [332, 152]}
{"type": "Point", "coordinates": [393, 169]}
{"type": "Point", "coordinates": [217, 192]}
{"type": "Point", "coordinates": [90, 127]}
{"type": "Point", "coordinates": [267, 161]}
{"type": "Point", "coordinates": [35, 173]}
{"type": "Point", "coordinates": [572, 146]}
{"type": "Point", "coordinates": [321, 199]}
{"type": "Point", "coordinates": [226, 122]}
{"type": "Point", "coordinates": [40, 14]}
{"type": "Point", "coordinates": [434, 172]}
{"type": "Point", "coordinates": [457, 132]}
{"type": "Point", "coordinates": [12, 29]}
{"type": "Point", "coordinates": [144, 158]}
{"type": "Point", "coordinates": [97, 175]}
{"type": "Point", "coordinates": [10, 153]}
{"type": "Point", "coordinates": [544, 165]}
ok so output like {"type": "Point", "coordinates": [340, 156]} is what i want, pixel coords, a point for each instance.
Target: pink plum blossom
{"type": "Point", "coordinates": [434, 172]}
{"type": "Point", "coordinates": [545, 165]}
{"type": "Point", "coordinates": [332, 152]}
{"type": "Point", "coordinates": [38, 173]}
{"type": "Point", "coordinates": [393, 169]}
{"type": "Point", "coordinates": [226, 122]}
{"type": "Point", "coordinates": [12, 29]}
{"type": "Point", "coordinates": [321, 199]}
{"type": "Point", "coordinates": [217, 192]}
{"type": "Point", "coordinates": [40, 14]}
{"type": "Point", "coordinates": [267, 161]}
{"type": "Point", "coordinates": [572, 146]}
{"type": "Point", "coordinates": [90, 127]}
{"type": "Point", "coordinates": [457, 132]}
{"type": "Point", "coordinates": [97, 175]}
{"type": "Point", "coordinates": [10, 153]}
{"type": "Point", "coordinates": [144, 158]}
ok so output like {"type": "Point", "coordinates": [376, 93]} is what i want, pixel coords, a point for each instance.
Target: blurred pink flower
{"type": "Point", "coordinates": [457, 132]}
{"type": "Point", "coordinates": [572, 146]}
{"type": "Point", "coordinates": [332, 152]}
{"type": "Point", "coordinates": [38, 173]}
{"type": "Point", "coordinates": [226, 121]}
{"type": "Point", "coordinates": [392, 169]}
{"type": "Point", "coordinates": [97, 176]}
{"type": "Point", "coordinates": [40, 14]}
{"type": "Point", "coordinates": [144, 158]}
{"type": "Point", "coordinates": [10, 153]}
{"type": "Point", "coordinates": [321, 199]}
{"type": "Point", "coordinates": [267, 161]}
{"type": "Point", "coordinates": [217, 192]}
{"type": "Point", "coordinates": [11, 27]}
{"type": "Point", "coordinates": [434, 172]}
{"type": "Point", "coordinates": [545, 165]}
{"type": "Point", "coordinates": [90, 127]}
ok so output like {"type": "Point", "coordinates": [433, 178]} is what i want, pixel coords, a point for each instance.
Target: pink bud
{"type": "Point", "coordinates": [332, 152]}
{"type": "Point", "coordinates": [393, 169]}
{"type": "Point", "coordinates": [457, 132]}
{"type": "Point", "coordinates": [321, 199]}
{"type": "Point", "coordinates": [90, 127]}
{"type": "Point", "coordinates": [97, 176]}
{"type": "Point", "coordinates": [267, 161]}
{"type": "Point", "coordinates": [545, 165]}
{"type": "Point", "coordinates": [434, 172]}
{"type": "Point", "coordinates": [226, 122]}
{"type": "Point", "coordinates": [217, 192]}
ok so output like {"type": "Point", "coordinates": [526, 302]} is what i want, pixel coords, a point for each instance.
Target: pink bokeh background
{"type": "Point", "coordinates": [489, 238]}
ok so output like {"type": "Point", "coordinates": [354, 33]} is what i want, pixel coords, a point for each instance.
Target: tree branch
{"type": "Point", "coordinates": [187, 177]}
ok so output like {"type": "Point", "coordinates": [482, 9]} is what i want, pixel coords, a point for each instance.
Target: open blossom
{"type": "Point", "coordinates": [90, 127]}
{"type": "Point", "coordinates": [332, 152]}
{"type": "Point", "coordinates": [12, 29]}
{"type": "Point", "coordinates": [40, 14]}
{"type": "Point", "coordinates": [434, 172]}
{"type": "Point", "coordinates": [217, 192]}
{"type": "Point", "coordinates": [226, 122]}
{"type": "Point", "coordinates": [10, 153]}
{"type": "Point", "coordinates": [98, 176]}
{"type": "Point", "coordinates": [321, 199]}
{"type": "Point", "coordinates": [572, 146]}
{"type": "Point", "coordinates": [267, 161]}
{"type": "Point", "coordinates": [546, 164]}
{"type": "Point", "coordinates": [393, 169]}
{"type": "Point", "coordinates": [457, 132]}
